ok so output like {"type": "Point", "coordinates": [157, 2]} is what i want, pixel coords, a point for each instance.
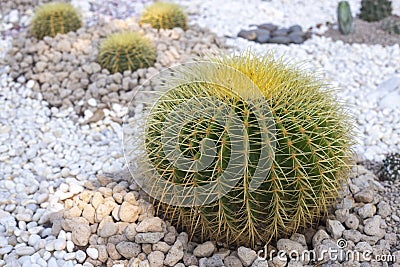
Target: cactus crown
{"type": "Point", "coordinates": [162, 15]}
{"type": "Point", "coordinates": [54, 18]}
{"type": "Point", "coordinates": [390, 169]}
{"type": "Point", "coordinates": [126, 51]}
{"type": "Point", "coordinates": [375, 10]}
{"type": "Point", "coordinates": [345, 18]}
{"type": "Point", "coordinates": [215, 133]}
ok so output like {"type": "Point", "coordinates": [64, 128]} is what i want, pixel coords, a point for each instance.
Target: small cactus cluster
{"type": "Point", "coordinates": [53, 18]}
{"type": "Point", "coordinates": [211, 137]}
{"type": "Point", "coordinates": [126, 51]}
{"type": "Point", "coordinates": [391, 25]}
{"type": "Point", "coordinates": [163, 15]}
{"type": "Point", "coordinates": [390, 169]}
{"type": "Point", "coordinates": [345, 18]}
{"type": "Point", "coordinates": [375, 10]}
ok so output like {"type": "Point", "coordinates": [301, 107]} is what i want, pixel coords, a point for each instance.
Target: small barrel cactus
{"type": "Point", "coordinates": [375, 10]}
{"type": "Point", "coordinates": [391, 25]}
{"type": "Point", "coordinates": [345, 18]}
{"type": "Point", "coordinates": [53, 18]}
{"type": "Point", "coordinates": [390, 169]}
{"type": "Point", "coordinates": [162, 15]}
{"type": "Point", "coordinates": [126, 51]}
{"type": "Point", "coordinates": [242, 149]}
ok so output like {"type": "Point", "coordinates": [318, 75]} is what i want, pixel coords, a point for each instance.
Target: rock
{"type": "Point", "coordinates": [367, 211]}
{"type": "Point", "coordinates": [153, 224]}
{"type": "Point", "coordinates": [108, 229]}
{"type": "Point", "coordinates": [372, 227]}
{"type": "Point", "coordinates": [263, 36]}
{"type": "Point", "coordinates": [384, 210]}
{"type": "Point", "coordinates": [250, 35]}
{"type": "Point", "coordinates": [390, 101]}
{"type": "Point", "coordinates": [247, 256]}
{"type": "Point", "coordinates": [268, 26]}
{"type": "Point", "coordinates": [161, 246]}
{"type": "Point", "coordinates": [280, 40]}
{"type": "Point", "coordinates": [214, 261]}
{"type": "Point", "coordinates": [335, 228]}
{"type": "Point", "coordinates": [112, 252]}
{"type": "Point", "coordinates": [130, 231]}
{"type": "Point", "coordinates": [80, 234]}
{"type": "Point", "coordinates": [295, 28]}
{"type": "Point", "coordinates": [280, 32]}
{"type": "Point", "coordinates": [390, 84]}
{"type": "Point", "coordinates": [232, 261]}
{"type": "Point", "coordinates": [279, 261]}
{"type": "Point", "coordinates": [175, 254]}
{"type": "Point", "coordinates": [296, 38]}
{"type": "Point", "coordinates": [129, 212]}
{"type": "Point", "coordinates": [24, 251]}
{"type": "Point", "coordinates": [156, 259]}
{"type": "Point", "coordinates": [260, 263]}
{"type": "Point", "coordinates": [204, 250]}
{"type": "Point", "coordinates": [150, 238]}
{"type": "Point", "coordinates": [128, 249]}
{"type": "Point", "coordinates": [352, 235]}
{"type": "Point", "coordinates": [341, 215]}
{"type": "Point", "coordinates": [64, 45]}
{"type": "Point", "coordinates": [60, 244]}
{"type": "Point", "coordinates": [88, 213]}
{"type": "Point", "coordinates": [190, 259]}
{"type": "Point", "coordinates": [92, 252]}
{"type": "Point", "coordinates": [288, 245]}
{"type": "Point", "coordinates": [80, 256]}
{"type": "Point", "coordinates": [319, 236]}
{"type": "Point", "coordinates": [365, 196]}
{"type": "Point", "coordinates": [352, 222]}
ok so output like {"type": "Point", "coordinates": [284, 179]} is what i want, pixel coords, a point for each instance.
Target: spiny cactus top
{"type": "Point", "coordinates": [375, 10]}
{"type": "Point", "coordinates": [126, 51]}
{"type": "Point", "coordinates": [243, 149]}
{"type": "Point", "coordinates": [163, 15]}
{"type": "Point", "coordinates": [390, 169]}
{"type": "Point", "coordinates": [54, 18]}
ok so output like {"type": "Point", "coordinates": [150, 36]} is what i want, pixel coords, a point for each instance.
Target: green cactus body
{"type": "Point", "coordinates": [391, 25]}
{"type": "Point", "coordinates": [126, 51]}
{"type": "Point", "coordinates": [53, 18]}
{"type": "Point", "coordinates": [345, 18]}
{"type": "Point", "coordinates": [375, 10]}
{"type": "Point", "coordinates": [162, 15]}
{"type": "Point", "coordinates": [308, 161]}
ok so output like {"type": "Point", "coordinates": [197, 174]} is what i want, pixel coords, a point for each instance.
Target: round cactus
{"type": "Point", "coordinates": [243, 149]}
{"type": "Point", "coordinates": [53, 18]}
{"type": "Point", "coordinates": [345, 18]}
{"type": "Point", "coordinates": [375, 10]}
{"type": "Point", "coordinates": [126, 51]}
{"type": "Point", "coordinates": [390, 169]}
{"type": "Point", "coordinates": [162, 15]}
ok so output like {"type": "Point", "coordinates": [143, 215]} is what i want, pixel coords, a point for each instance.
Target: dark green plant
{"type": "Point", "coordinates": [126, 51]}
{"type": "Point", "coordinates": [214, 114]}
{"type": "Point", "coordinates": [345, 18]}
{"type": "Point", "coordinates": [375, 10]}
{"type": "Point", "coordinates": [391, 25]}
{"type": "Point", "coordinates": [163, 15]}
{"type": "Point", "coordinates": [53, 18]}
{"type": "Point", "coordinates": [390, 169]}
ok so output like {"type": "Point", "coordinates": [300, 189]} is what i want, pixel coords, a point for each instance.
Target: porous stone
{"type": "Point", "coordinates": [204, 250]}
{"type": "Point", "coordinates": [247, 256]}
{"type": "Point", "coordinates": [175, 254]}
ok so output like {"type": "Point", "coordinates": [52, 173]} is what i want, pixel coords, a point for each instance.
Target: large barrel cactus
{"type": "Point", "coordinates": [345, 18]}
{"type": "Point", "coordinates": [164, 15]}
{"type": "Point", "coordinates": [242, 149]}
{"type": "Point", "coordinates": [53, 18]}
{"type": "Point", "coordinates": [375, 10]}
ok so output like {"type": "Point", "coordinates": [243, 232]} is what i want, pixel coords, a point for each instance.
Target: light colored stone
{"type": "Point", "coordinates": [156, 259]}
{"type": "Point", "coordinates": [92, 253]}
{"type": "Point", "coordinates": [335, 228]}
{"type": "Point", "coordinates": [204, 250]}
{"type": "Point", "coordinates": [108, 229]}
{"type": "Point", "coordinates": [128, 249]}
{"type": "Point", "coordinates": [247, 256]}
{"type": "Point", "coordinates": [232, 261]}
{"type": "Point", "coordinates": [150, 238]}
{"type": "Point", "coordinates": [129, 212]}
{"type": "Point", "coordinates": [80, 234]}
{"type": "Point", "coordinates": [175, 254]}
{"type": "Point", "coordinates": [352, 222]}
{"type": "Point", "coordinates": [152, 224]}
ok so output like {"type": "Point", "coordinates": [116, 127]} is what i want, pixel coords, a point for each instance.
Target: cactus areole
{"type": "Point", "coordinates": [244, 149]}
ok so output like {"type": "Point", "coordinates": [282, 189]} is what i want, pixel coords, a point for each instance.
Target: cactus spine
{"type": "Point", "coordinates": [214, 106]}
{"type": "Point", "coordinates": [345, 18]}
{"type": "Point", "coordinates": [375, 10]}
{"type": "Point", "coordinates": [54, 18]}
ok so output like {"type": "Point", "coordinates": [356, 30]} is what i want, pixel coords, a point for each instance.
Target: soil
{"type": "Point", "coordinates": [365, 32]}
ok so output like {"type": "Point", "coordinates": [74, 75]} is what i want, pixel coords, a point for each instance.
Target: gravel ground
{"type": "Point", "coordinates": [64, 195]}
